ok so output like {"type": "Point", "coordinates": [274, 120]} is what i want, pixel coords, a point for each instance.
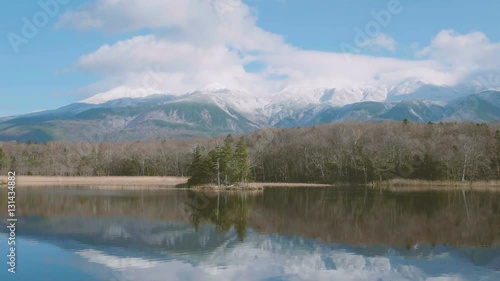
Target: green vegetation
{"type": "Point", "coordinates": [333, 153]}
{"type": "Point", "coordinates": [221, 165]}
{"type": "Point", "coordinates": [94, 113]}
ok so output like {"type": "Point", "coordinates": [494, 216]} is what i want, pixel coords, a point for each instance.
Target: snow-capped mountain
{"type": "Point", "coordinates": [296, 105]}
{"type": "Point", "coordinates": [120, 92]}
{"type": "Point", "coordinates": [291, 98]}
{"type": "Point", "coordinates": [124, 114]}
{"type": "Point", "coordinates": [246, 104]}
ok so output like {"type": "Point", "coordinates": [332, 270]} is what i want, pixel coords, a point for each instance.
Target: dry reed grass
{"type": "Point", "coordinates": [422, 185]}
{"type": "Point", "coordinates": [99, 182]}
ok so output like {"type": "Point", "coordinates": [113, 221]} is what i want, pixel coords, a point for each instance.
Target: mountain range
{"type": "Point", "coordinates": [215, 110]}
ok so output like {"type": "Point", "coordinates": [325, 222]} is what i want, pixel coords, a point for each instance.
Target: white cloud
{"type": "Point", "coordinates": [472, 50]}
{"type": "Point", "coordinates": [380, 41]}
{"type": "Point", "coordinates": [148, 62]}
{"type": "Point", "coordinates": [332, 69]}
{"type": "Point", "coordinates": [201, 22]}
{"type": "Point", "coordinates": [179, 67]}
{"type": "Point", "coordinates": [210, 41]}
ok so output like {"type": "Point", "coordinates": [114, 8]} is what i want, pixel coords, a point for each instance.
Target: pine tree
{"type": "Point", "coordinates": [196, 170]}
{"type": "Point", "coordinates": [210, 167]}
{"type": "Point", "coordinates": [226, 160]}
{"type": "Point", "coordinates": [241, 161]}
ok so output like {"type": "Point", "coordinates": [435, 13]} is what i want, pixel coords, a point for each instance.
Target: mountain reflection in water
{"type": "Point", "coordinates": [279, 234]}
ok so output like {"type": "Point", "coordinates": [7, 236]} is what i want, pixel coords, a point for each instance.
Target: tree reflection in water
{"type": "Point", "coordinates": [353, 216]}
{"type": "Point", "coordinates": [224, 210]}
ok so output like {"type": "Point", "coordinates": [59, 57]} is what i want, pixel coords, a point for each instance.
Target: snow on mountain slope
{"type": "Point", "coordinates": [225, 98]}
{"type": "Point", "coordinates": [286, 102]}
{"type": "Point", "coordinates": [302, 96]}
{"type": "Point", "coordinates": [406, 87]}
{"type": "Point", "coordinates": [238, 100]}
{"type": "Point", "coordinates": [119, 93]}
{"type": "Point", "coordinates": [299, 101]}
{"type": "Point", "coordinates": [214, 87]}
{"type": "Point", "coordinates": [346, 96]}
{"type": "Point", "coordinates": [377, 93]}
{"type": "Point", "coordinates": [247, 105]}
{"type": "Point", "coordinates": [482, 82]}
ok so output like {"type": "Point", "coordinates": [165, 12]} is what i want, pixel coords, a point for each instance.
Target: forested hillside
{"type": "Point", "coordinates": [345, 152]}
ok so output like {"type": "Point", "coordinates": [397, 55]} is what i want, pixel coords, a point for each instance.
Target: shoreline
{"type": "Point", "coordinates": [406, 185]}
{"type": "Point", "coordinates": [139, 182]}
{"type": "Point", "coordinates": [256, 186]}
{"type": "Point", "coordinates": [145, 182]}
{"type": "Point", "coordinates": [105, 182]}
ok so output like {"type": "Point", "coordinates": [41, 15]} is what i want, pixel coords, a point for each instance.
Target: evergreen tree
{"type": "Point", "coordinates": [225, 154]}
{"type": "Point", "coordinates": [197, 170]}
{"type": "Point", "coordinates": [221, 164]}
{"type": "Point", "coordinates": [241, 161]}
{"type": "Point", "coordinates": [210, 167]}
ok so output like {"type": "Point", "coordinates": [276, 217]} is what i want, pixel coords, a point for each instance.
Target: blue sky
{"type": "Point", "coordinates": [255, 45]}
{"type": "Point", "coordinates": [323, 24]}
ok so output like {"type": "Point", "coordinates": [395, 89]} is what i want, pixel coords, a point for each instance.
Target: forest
{"type": "Point", "coordinates": [329, 153]}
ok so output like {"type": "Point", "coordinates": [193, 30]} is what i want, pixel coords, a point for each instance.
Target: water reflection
{"type": "Point", "coordinates": [224, 211]}
{"type": "Point", "coordinates": [360, 216]}
{"type": "Point", "coordinates": [280, 234]}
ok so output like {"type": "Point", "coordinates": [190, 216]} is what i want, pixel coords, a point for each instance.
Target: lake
{"type": "Point", "coordinates": [347, 233]}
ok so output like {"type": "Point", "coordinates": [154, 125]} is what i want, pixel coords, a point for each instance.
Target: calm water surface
{"type": "Point", "coordinates": [278, 234]}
